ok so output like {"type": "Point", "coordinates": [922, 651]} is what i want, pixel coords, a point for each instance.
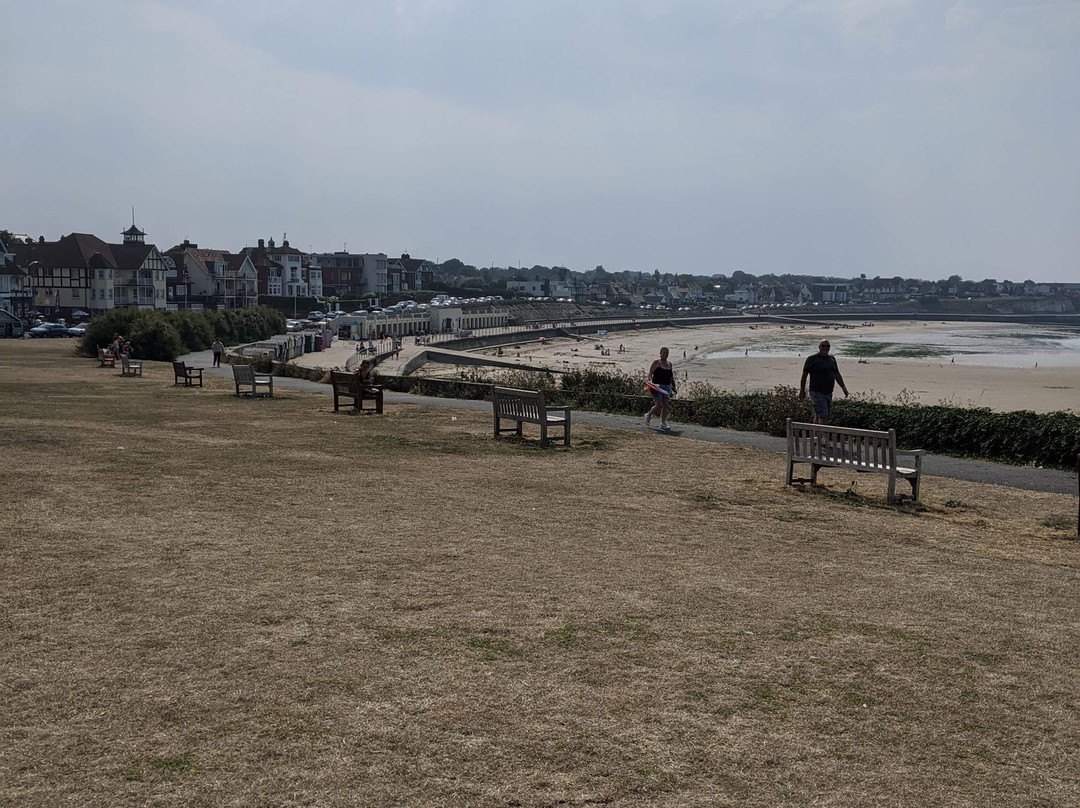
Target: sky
{"type": "Point", "coordinates": [823, 137]}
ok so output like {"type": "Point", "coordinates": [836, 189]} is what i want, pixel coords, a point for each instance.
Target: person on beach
{"type": "Point", "coordinates": [662, 375]}
{"type": "Point", "coordinates": [218, 350]}
{"type": "Point", "coordinates": [824, 375]}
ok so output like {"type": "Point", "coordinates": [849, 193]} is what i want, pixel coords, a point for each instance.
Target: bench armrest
{"type": "Point", "coordinates": [911, 451]}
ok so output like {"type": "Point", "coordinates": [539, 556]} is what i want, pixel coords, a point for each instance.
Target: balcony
{"type": "Point", "coordinates": [136, 280]}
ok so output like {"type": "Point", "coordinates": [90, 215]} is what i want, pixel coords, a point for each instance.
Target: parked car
{"type": "Point", "coordinates": [49, 330]}
{"type": "Point", "coordinates": [77, 330]}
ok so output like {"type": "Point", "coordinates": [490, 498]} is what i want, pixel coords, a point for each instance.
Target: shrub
{"type": "Point", "coordinates": [154, 337]}
{"type": "Point", "coordinates": [196, 331]}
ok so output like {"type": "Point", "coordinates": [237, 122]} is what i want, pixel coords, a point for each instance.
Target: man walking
{"type": "Point", "coordinates": [824, 374]}
{"type": "Point", "coordinates": [218, 350]}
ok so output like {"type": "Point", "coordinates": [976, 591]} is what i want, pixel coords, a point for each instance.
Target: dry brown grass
{"type": "Point", "coordinates": [209, 601]}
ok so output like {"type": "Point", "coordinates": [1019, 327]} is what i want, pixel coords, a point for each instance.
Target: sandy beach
{"type": "Point", "coordinates": [993, 365]}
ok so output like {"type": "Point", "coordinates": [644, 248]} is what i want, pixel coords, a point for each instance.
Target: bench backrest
{"type": "Point", "coordinates": [518, 403]}
{"type": "Point", "coordinates": [343, 382]}
{"type": "Point", "coordinates": [243, 374]}
{"type": "Point", "coordinates": [179, 368]}
{"type": "Point", "coordinates": [834, 444]}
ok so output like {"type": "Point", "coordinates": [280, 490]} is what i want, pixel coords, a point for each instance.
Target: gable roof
{"type": "Point", "coordinates": [72, 250]}
{"type": "Point", "coordinates": [83, 250]}
{"type": "Point", "coordinates": [9, 267]}
{"type": "Point", "coordinates": [131, 255]}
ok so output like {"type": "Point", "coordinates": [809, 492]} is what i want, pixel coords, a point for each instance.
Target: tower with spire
{"type": "Point", "coordinates": [134, 235]}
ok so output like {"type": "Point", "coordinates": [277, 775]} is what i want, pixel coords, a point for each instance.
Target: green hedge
{"type": "Point", "coordinates": [1051, 440]}
{"type": "Point", "coordinates": [1022, 437]}
{"type": "Point", "coordinates": [164, 335]}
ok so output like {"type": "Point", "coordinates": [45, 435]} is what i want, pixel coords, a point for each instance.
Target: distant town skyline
{"type": "Point", "coordinates": [829, 138]}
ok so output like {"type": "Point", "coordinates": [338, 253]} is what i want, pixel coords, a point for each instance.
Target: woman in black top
{"type": "Point", "coordinates": [662, 377]}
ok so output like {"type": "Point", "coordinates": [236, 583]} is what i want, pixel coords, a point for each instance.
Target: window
{"type": "Point", "coordinates": [110, 294]}
{"type": "Point", "coordinates": [75, 294]}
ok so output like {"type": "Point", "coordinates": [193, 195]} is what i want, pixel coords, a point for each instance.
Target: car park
{"type": "Point", "coordinates": [49, 330]}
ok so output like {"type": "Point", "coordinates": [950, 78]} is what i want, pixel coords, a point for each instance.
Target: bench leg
{"type": "Point", "coordinates": [566, 433]}
{"type": "Point", "coordinates": [520, 424]}
{"type": "Point", "coordinates": [543, 433]}
{"type": "Point", "coordinates": [813, 473]}
{"type": "Point", "coordinates": [496, 430]}
{"type": "Point", "coordinates": [790, 471]}
{"type": "Point", "coordinates": [892, 487]}
{"type": "Point", "coordinates": [914, 487]}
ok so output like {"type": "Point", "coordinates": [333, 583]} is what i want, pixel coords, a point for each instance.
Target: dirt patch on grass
{"type": "Point", "coordinates": [213, 601]}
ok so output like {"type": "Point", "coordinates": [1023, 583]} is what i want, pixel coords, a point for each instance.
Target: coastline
{"type": "Point", "coordinates": [738, 358]}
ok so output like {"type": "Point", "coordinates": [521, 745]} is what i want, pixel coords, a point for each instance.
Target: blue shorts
{"type": "Point", "coordinates": [659, 398]}
{"type": "Point", "coordinates": [821, 403]}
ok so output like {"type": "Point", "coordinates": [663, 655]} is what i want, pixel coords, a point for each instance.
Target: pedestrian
{"type": "Point", "coordinates": [218, 350]}
{"type": "Point", "coordinates": [824, 375]}
{"type": "Point", "coordinates": [662, 383]}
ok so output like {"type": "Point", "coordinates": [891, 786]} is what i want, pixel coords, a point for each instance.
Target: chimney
{"type": "Point", "coordinates": [262, 244]}
{"type": "Point", "coordinates": [270, 244]}
{"type": "Point", "coordinates": [41, 239]}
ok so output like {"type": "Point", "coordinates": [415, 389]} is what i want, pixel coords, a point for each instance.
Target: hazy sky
{"type": "Point", "coordinates": [827, 136]}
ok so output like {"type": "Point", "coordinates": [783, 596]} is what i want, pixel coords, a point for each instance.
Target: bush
{"type": "Point", "coordinates": [154, 337]}
{"type": "Point", "coordinates": [194, 331]}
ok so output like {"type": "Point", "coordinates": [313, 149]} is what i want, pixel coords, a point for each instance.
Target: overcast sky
{"type": "Point", "coordinates": [826, 137]}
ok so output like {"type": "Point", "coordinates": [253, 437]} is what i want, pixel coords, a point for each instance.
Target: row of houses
{"type": "Point", "coordinates": [81, 273]}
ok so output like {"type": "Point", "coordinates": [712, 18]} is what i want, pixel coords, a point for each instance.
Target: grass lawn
{"type": "Point", "coordinates": [212, 601]}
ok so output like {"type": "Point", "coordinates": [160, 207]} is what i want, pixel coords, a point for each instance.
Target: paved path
{"type": "Point", "coordinates": [1032, 479]}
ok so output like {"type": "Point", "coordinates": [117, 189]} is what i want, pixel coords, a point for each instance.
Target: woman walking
{"type": "Point", "coordinates": [662, 383]}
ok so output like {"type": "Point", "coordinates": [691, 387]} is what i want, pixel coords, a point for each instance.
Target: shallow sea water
{"type": "Point", "coordinates": [1015, 346]}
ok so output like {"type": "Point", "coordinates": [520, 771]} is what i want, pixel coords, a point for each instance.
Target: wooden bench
{"type": "Point", "coordinates": [248, 381]}
{"type": "Point", "coordinates": [863, 450]}
{"type": "Point", "coordinates": [348, 386]}
{"type": "Point", "coordinates": [129, 366]}
{"type": "Point", "coordinates": [528, 407]}
{"type": "Point", "coordinates": [186, 375]}
{"type": "Point", "coordinates": [105, 358]}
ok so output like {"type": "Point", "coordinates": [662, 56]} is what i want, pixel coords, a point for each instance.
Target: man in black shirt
{"type": "Point", "coordinates": [824, 374]}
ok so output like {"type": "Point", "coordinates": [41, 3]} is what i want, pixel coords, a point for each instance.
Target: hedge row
{"type": "Point", "coordinates": [164, 335]}
{"type": "Point", "coordinates": [1051, 440]}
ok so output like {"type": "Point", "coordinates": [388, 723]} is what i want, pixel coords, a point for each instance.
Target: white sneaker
{"type": "Point", "coordinates": [663, 425]}
{"type": "Point", "coordinates": [648, 418]}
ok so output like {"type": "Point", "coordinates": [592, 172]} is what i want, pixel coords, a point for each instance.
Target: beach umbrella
{"type": "Point", "coordinates": [80, 313]}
